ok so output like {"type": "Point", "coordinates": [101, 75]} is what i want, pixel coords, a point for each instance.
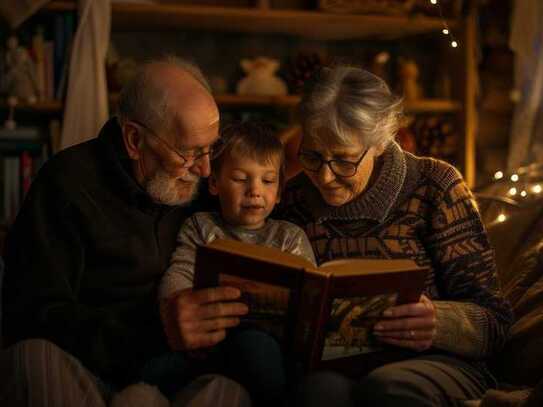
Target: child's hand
{"type": "Point", "coordinates": [203, 316]}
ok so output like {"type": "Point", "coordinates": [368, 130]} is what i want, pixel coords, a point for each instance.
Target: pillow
{"type": "Point", "coordinates": [511, 238]}
{"type": "Point", "coordinates": [521, 361]}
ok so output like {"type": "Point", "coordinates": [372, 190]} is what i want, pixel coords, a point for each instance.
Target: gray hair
{"type": "Point", "coordinates": [144, 100]}
{"type": "Point", "coordinates": [347, 100]}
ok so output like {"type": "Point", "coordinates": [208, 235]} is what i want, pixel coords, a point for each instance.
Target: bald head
{"type": "Point", "coordinates": [167, 94]}
{"type": "Point", "coordinates": [168, 118]}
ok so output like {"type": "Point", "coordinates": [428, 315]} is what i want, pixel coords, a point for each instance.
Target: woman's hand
{"type": "Point", "coordinates": [410, 326]}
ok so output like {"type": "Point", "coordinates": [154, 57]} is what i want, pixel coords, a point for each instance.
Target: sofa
{"type": "Point", "coordinates": [517, 238]}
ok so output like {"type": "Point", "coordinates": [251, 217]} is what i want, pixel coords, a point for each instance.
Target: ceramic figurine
{"type": "Point", "coordinates": [261, 78]}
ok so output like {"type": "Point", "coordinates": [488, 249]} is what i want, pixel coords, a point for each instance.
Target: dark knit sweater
{"type": "Point", "coordinates": [418, 208]}
{"type": "Point", "coordinates": [84, 258]}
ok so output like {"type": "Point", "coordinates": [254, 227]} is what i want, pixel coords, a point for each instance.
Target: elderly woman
{"type": "Point", "coordinates": [360, 195]}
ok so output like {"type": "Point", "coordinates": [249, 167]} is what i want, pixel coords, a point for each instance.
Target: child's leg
{"type": "Point", "coordinates": [170, 372]}
{"type": "Point", "coordinates": [254, 358]}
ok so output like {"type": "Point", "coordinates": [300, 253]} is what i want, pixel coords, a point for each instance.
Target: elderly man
{"type": "Point", "coordinates": [90, 243]}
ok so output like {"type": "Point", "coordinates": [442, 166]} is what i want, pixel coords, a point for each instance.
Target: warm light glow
{"type": "Point", "coordinates": [433, 1]}
{"type": "Point", "coordinates": [523, 194]}
{"type": "Point", "coordinates": [513, 191]}
{"type": "Point", "coordinates": [498, 175]}
{"type": "Point", "coordinates": [536, 189]}
{"type": "Point", "coordinates": [514, 177]}
{"type": "Point", "coordinates": [445, 31]}
{"type": "Point", "coordinates": [454, 44]}
{"type": "Point", "coordinates": [501, 218]}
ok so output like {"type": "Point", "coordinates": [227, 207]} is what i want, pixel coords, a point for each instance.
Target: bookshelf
{"type": "Point", "coordinates": [233, 100]}
{"type": "Point", "coordinates": [166, 17]}
{"type": "Point", "coordinates": [321, 26]}
{"type": "Point", "coordinates": [311, 25]}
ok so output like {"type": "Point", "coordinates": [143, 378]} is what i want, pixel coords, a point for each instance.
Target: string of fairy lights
{"type": "Point", "coordinates": [446, 30]}
{"type": "Point", "coordinates": [522, 186]}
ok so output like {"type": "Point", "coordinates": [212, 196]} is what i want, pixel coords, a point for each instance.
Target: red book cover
{"type": "Point", "coordinates": [26, 171]}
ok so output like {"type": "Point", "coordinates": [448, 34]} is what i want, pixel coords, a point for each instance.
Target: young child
{"type": "Point", "coordinates": [247, 177]}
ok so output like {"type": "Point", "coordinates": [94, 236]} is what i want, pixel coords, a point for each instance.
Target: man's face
{"type": "Point", "coordinates": [174, 161]}
{"type": "Point", "coordinates": [247, 189]}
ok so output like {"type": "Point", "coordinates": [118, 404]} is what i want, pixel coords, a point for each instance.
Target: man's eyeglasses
{"type": "Point", "coordinates": [312, 161]}
{"type": "Point", "coordinates": [188, 157]}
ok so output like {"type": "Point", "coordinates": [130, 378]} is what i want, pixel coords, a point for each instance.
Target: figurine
{"type": "Point", "coordinates": [409, 72]}
{"type": "Point", "coordinates": [261, 79]}
{"type": "Point", "coordinates": [20, 79]}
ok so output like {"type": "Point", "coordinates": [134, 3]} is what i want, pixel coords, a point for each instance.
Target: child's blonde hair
{"type": "Point", "coordinates": [252, 139]}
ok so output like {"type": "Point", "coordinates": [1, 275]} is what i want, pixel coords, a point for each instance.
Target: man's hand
{"type": "Point", "coordinates": [202, 316]}
{"type": "Point", "coordinates": [410, 325]}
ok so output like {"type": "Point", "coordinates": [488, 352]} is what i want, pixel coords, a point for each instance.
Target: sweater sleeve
{"type": "Point", "coordinates": [472, 316]}
{"type": "Point", "coordinates": [297, 242]}
{"type": "Point", "coordinates": [180, 273]}
{"type": "Point", "coordinates": [45, 256]}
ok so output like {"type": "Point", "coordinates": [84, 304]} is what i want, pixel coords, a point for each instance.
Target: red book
{"type": "Point", "coordinates": [26, 171]}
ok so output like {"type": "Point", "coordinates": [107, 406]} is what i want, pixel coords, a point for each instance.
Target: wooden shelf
{"type": "Point", "coordinates": [233, 100]}
{"type": "Point", "coordinates": [285, 102]}
{"type": "Point", "coordinates": [301, 23]}
{"type": "Point", "coordinates": [432, 106]}
{"type": "Point", "coordinates": [46, 106]}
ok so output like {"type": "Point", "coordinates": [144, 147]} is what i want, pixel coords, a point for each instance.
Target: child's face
{"type": "Point", "coordinates": [247, 189]}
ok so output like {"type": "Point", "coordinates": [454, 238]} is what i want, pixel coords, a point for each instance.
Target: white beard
{"type": "Point", "coordinates": [166, 190]}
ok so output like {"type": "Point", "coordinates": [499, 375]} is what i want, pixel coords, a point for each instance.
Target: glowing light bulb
{"type": "Point", "coordinates": [536, 189]}
{"type": "Point", "coordinates": [445, 31]}
{"type": "Point", "coordinates": [523, 194]}
{"type": "Point", "coordinates": [498, 175]}
{"type": "Point", "coordinates": [501, 218]}
{"type": "Point", "coordinates": [454, 44]}
{"type": "Point", "coordinates": [433, 1]}
{"type": "Point", "coordinates": [514, 177]}
{"type": "Point", "coordinates": [512, 191]}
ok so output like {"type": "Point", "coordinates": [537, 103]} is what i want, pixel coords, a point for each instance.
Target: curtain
{"type": "Point", "coordinates": [526, 41]}
{"type": "Point", "coordinates": [86, 107]}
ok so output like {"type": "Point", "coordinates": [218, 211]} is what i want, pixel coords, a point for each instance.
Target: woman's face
{"type": "Point", "coordinates": [338, 190]}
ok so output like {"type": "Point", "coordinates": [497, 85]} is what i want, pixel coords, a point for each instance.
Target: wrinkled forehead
{"type": "Point", "coordinates": [196, 125]}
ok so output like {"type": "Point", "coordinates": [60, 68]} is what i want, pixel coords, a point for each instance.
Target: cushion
{"type": "Point", "coordinates": [518, 244]}
{"type": "Point", "coordinates": [511, 238]}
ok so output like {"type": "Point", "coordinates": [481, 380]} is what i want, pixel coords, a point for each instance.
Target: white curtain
{"type": "Point", "coordinates": [86, 108]}
{"type": "Point", "coordinates": [526, 41]}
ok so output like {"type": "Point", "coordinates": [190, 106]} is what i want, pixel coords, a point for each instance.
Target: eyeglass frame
{"type": "Point", "coordinates": [211, 153]}
{"type": "Point", "coordinates": [356, 164]}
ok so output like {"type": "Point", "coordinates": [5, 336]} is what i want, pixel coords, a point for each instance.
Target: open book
{"type": "Point", "coordinates": [323, 316]}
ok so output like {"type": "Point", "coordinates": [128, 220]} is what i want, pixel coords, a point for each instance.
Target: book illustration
{"type": "Point", "coordinates": [267, 303]}
{"type": "Point", "coordinates": [349, 330]}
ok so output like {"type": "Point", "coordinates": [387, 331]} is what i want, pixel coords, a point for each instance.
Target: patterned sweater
{"type": "Point", "coordinates": [418, 208]}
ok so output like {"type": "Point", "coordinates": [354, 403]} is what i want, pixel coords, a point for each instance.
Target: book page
{"type": "Point", "coordinates": [349, 330]}
{"type": "Point", "coordinates": [348, 267]}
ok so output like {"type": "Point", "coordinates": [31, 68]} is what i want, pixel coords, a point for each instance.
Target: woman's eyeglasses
{"type": "Point", "coordinates": [313, 161]}
{"type": "Point", "coordinates": [188, 157]}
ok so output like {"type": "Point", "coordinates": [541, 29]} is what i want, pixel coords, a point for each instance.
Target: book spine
{"type": "Point", "coordinates": [312, 318]}
{"type": "Point", "coordinates": [26, 172]}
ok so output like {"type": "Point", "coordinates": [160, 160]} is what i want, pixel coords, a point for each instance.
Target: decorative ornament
{"type": "Point", "coordinates": [261, 78]}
